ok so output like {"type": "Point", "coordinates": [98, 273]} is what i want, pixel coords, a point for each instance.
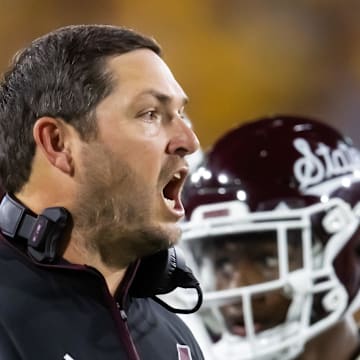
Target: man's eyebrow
{"type": "Point", "coordinates": [161, 97]}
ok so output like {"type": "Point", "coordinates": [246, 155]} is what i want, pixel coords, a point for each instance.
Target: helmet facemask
{"type": "Point", "coordinates": [288, 291]}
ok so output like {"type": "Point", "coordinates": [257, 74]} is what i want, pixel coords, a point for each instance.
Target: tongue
{"type": "Point", "coordinates": [168, 191]}
{"type": "Point", "coordinates": [171, 203]}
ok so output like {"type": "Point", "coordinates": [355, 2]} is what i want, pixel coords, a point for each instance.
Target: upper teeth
{"type": "Point", "coordinates": [177, 176]}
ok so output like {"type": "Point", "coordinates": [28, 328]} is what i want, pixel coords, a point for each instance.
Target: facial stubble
{"type": "Point", "coordinates": [113, 209]}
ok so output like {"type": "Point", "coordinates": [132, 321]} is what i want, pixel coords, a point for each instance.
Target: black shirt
{"type": "Point", "coordinates": [65, 312]}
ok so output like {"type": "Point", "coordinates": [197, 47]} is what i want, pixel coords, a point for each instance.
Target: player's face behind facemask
{"type": "Point", "coordinates": [240, 260]}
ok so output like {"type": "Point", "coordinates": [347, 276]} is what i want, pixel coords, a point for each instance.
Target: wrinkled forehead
{"type": "Point", "coordinates": [142, 69]}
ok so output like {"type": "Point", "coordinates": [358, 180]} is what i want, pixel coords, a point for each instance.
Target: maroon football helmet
{"type": "Point", "coordinates": [296, 182]}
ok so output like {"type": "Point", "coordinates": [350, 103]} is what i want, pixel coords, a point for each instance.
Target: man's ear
{"type": "Point", "coordinates": [52, 137]}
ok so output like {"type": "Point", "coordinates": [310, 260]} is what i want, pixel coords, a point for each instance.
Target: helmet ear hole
{"type": "Point", "coordinates": [356, 209]}
{"type": "Point", "coordinates": [335, 299]}
{"type": "Point", "coordinates": [334, 220]}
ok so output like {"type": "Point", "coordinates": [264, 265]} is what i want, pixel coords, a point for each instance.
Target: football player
{"type": "Point", "coordinates": [273, 232]}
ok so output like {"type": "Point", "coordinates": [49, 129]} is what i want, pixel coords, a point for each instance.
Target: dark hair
{"type": "Point", "coordinates": [61, 74]}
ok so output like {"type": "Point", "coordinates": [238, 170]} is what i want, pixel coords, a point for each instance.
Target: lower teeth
{"type": "Point", "coordinates": [171, 203]}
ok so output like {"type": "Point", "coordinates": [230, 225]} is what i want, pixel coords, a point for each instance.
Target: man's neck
{"type": "Point", "coordinates": [76, 251]}
{"type": "Point", "coordinates": [77, 254]}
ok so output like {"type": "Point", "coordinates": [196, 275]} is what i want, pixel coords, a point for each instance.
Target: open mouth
{"type": "Point", "coordinates": [240, 329]}
{"type": "Point", "coordinates": [172, 191]}
{"type": "Point", "coordinates": [237, 326]}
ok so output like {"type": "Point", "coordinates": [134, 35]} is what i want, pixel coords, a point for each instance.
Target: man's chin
{"type": "Point", "coordinates": [134, 244]}
{"type": "Point", "coordinates": [161, 238]}
{"type": "Point", "coordinates": [173, 233]}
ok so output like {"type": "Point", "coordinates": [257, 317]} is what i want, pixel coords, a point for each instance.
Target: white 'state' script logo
{"type": "Point", "coordinates": [323, 163]}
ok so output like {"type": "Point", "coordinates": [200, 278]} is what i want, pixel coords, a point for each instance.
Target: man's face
{"type": "Point", "coordinates": [249, 259]}
{"type": "Point", "coordinates": [131, 176]}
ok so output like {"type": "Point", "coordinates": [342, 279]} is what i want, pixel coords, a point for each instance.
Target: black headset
{"type": "Point", "coordinates": [163, 272]}
{"type": "Point", "coordinates": [44, 234]}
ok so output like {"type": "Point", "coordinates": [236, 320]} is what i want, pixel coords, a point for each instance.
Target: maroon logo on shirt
{"type": "Point", "coordinates": [184, 352]}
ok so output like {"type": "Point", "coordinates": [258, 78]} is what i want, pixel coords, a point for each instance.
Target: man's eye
{"type": "Point", "coordinates": [266, 260]}
{"type": "Point", "coordinates": [225, 271]}
{"type": "Point", "coordinates": [271, 261]}
{"type": "Point", "coordinates": [221, 262]}
{"type": "Point", "coordinates": [182, 115]}
{"type": "Point", "coordinates": [150, 115]}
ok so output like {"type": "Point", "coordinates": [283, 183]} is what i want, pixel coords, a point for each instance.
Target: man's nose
{"type": "Point", "coordinates": [183, 141]}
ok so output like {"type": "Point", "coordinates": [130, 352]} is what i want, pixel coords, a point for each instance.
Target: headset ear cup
{"type": "Point", "coordinates": [180, 262]}
{"type": "Point", "coordinates": [162, 273]}
{"type": "Point", "coordinates": [45, 234]}
{"type": "Point", "coordinates": [49, 234]}
{"type": "Point", "coordinates": [155, 273]}
{"type": "Point", "coordinates": [170, 265]}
